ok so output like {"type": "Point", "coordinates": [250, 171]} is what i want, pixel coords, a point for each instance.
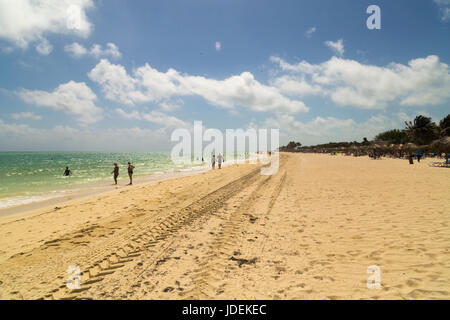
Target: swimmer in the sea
{"type": "Point", "coordinates": [67, 172]}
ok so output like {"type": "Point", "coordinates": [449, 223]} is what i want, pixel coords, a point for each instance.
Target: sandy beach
{"type": "Point", "coordinates": [308, 232]}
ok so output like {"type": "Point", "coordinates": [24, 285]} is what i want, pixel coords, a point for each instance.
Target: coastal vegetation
{"type": "Point", "coordinates": [422, 131]}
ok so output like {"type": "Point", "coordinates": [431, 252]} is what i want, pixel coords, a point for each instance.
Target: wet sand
{"type": "Point", "coordinates": [308, 232]}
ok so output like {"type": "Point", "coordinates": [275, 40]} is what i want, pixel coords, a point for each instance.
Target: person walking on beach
{"type": "Point", "coordinates": [213, 162]}
{"type": "Point", "coordinates": [116, 172]}
{"type": "Point", "coordinates": [219, 160]}
{"type": "Point", "coordinates": [67, 172]}
{"type": "Point", "coordinates": [130, 173]}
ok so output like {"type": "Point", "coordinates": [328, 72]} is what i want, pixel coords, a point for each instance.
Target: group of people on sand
{"type": "Point", "coordinates": [130, 173]}
{"type": "Point", "coordinates": [115, 171]}
{"type": "Point", "coordinates": [219, 161]}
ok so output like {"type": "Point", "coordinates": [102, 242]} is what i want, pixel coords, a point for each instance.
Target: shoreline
{"type": "Point", "coordinates": [101, 187]}
{"type": "Point", "coordinates": [91, 190]}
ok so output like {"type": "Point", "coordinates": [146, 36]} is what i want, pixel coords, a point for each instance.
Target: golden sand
{"type": "Point", "coordinates": [308, 232]}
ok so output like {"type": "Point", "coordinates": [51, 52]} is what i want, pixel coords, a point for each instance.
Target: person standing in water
{"type": "Point", "coordinates": [219, 160]}
{"type": "Point", "coordinates": [67, 172]}
{"type": "Point", "coordinates": [116, 172]}
{"type": "Point", "coordinates": [130, 173]}
{"type": "Point", "coordinates": [213, 162]}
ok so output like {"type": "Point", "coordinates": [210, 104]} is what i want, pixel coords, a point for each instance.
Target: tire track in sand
{"type": "Point", "coordinates": [121, 250]}
{"type": "Point", "coordinates": [208, 282]}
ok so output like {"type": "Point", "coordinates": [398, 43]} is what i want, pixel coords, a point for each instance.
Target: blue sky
{"type": "Point", "coordinates": [122, 75]}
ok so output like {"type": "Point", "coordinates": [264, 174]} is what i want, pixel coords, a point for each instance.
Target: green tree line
{"type": "Point", "coordinates": [421, 131]}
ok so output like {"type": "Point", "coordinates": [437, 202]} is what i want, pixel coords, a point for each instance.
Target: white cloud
{"type": "Point", "coordinates": [423, 82]}
{"type": "Point", "coordinates": [331, 129]}
{"type": "Point", "coordinates": [130, 115]}
{"type": "Point", "coordinates": [148, 84]}
{"type": "Point", "coordinates": [337, 47]}
{"type": "Point", "coordinates": [111, 50]}
{"type": "Point", "coordinates": [157, 117]}
{"type": "Point", "coordinates": [302, 66]}
{"type": "Point", "coordinates": [164, 120]}
{"type": "Point", "coordinates": [171, 105]}
{"type": "Point", "coordinates": [310, 31]}
{"type": "Point", "coordinates": [218, 46]}
{"type": "Point", "coordinates": [44, 47]}
{"type": "Point", "coordinates": [20, 137]}
{"type": "Point", "coordinates": [77, 50]}
{"type": "Point", "coordinates": [445, 14]}
{"type": "Point", "coordinates": [295, 86]}
{"type": "Point", "coordinates": [26, 115]}
{"type": "Point", "coordinates": [116, 83]}
{"type": "Point", "coordinates": [444, 7]}
{"type": "Point", "coordinates": [72, 98]}
{"type": "Point", "coordinates": [26, 21]}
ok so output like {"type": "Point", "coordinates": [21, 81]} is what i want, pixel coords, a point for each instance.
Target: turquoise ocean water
{"type": "Point", "coordinates": [32, 176]}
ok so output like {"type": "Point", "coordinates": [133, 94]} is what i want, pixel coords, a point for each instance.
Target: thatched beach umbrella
{"type": "Point", "coordinates": [354, 149]}
{"type": "Point", "coordinates": [410, 146]}
{"type": "Point", "coordinates": [377, 146]}
{"type": "Point", "coordinates": [424, 147]}
{"type": "Point", "coordinates": [361, 147]}
{"type": "Point", "coordinates": [382, 143]}
{"type": "Point", "coordinates": [395, 147]}
{"type": "Point", "coordinates": [441, 145]}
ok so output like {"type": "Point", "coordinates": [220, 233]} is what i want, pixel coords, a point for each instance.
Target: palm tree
{"type": "Point", "coordinates": [393, 136]}
{"type": "Point", "coordinates": [422, 131]}
{"type": "Point", "coordinates": [444, 126]}
{"type": "Point", "coordinates": [365, 142]}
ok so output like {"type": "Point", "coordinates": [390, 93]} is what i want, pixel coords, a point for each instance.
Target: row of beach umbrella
{"type": "Point", "coordinates": [440, 145]}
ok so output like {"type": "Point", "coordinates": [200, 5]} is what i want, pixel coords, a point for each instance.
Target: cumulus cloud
{"type": "Point", "coordinates": [164, 120]}
{"type": "Point", "coordinates": [446, 14]}
{"type": "Point", "coordinates": [154, 116]}
{"type": "Point", "coordinates": [422, 82]}
{"type": "Point", "coordinates": [19, 137]}
{"type": "Point", "coordinates": [148, 84]}
{"type": "Point", "coordinates": [44, 47]}
{"type": "Point", "coordinates": [444, 7]}
{"type": "Point", "coordinates": [171, 105]}
{"type": "Point", "coordinates": [326, 129]}
{"type": "Point", "coordinates": [26, 21]}
{"type": "Point", "coordinates": [302, 66]}
{"type": "Point", "coordinates": [130, 115]}
{"type": "Point", "coordinates": [296, 86]}
{"type": "Point", "coordinates": [337, 47]}
{"type": "Point", "coordinates": [110, 50]}
{"type": "Point", "coordinates": [25, 115]}
{"type": "Point", "coordinates": [73, 98]}
{"type": "Point", "coordinates": [117, 84]}
{"type": "Point", "coordinates": [310, 31]}
{"type": "Point", "coordinates": [77, 50]}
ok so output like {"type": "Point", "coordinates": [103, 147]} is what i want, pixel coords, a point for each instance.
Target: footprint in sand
{"type": "Point", "coordinates": [412, 282]}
